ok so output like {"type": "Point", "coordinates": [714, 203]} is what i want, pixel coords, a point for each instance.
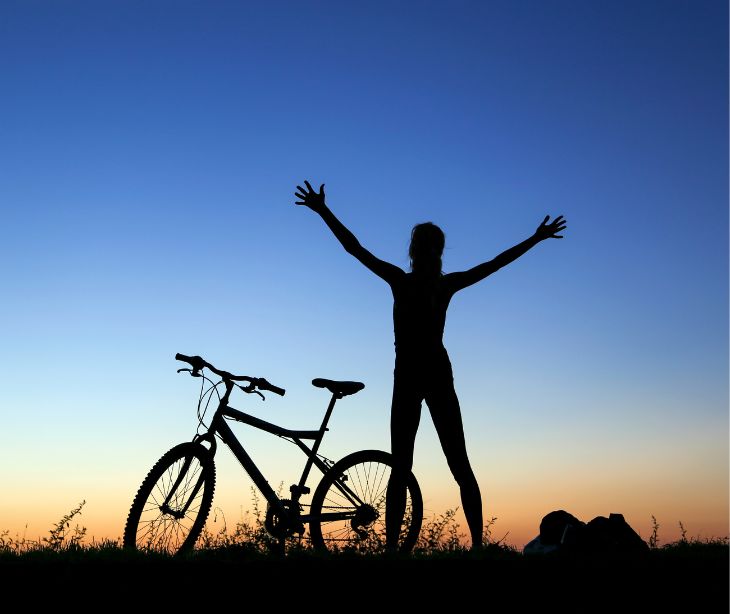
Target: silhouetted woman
{"type": "Point", "coordinates": [422, 366]}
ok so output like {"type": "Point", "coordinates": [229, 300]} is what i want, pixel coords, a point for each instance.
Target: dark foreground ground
{"type": "Point", "coordinates": [693, 579]}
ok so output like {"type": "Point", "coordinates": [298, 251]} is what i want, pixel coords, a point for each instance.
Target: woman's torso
{"type": "Point", "coordinates": [419, 315]}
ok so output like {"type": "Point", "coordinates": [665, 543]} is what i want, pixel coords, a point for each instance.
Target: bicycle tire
{"type": "Point", "coordinates": [151, 528]}
{"type": "Point", "coordinates": [367, 473]}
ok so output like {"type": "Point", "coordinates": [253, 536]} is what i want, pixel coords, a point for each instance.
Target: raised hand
{"type": "Point", "coordinates": [309, 198]}
{"type": "Point", "coordinates": [551, 230]}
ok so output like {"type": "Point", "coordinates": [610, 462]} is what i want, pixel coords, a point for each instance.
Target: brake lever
{"type": "Point", "coordinates": [192, 372]}
{"type": "Point", "coordinates": [251, 390]}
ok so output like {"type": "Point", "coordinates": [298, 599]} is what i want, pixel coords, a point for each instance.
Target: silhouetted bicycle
{"type": "Point", "coordinates": [172, 505]}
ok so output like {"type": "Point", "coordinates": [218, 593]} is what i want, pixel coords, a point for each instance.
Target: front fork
{"type": "Point", "coordinates": [179, 512]}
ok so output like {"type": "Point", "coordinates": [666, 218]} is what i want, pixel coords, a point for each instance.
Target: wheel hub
{"type": "Point", "coordinates": [365, 515]}
{"type": "Point", "coordinates": [166, 509]}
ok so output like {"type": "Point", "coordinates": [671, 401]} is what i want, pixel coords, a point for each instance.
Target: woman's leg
{"type": "Point", "coordinates": [446, 414]}
{"type": "Point", "coordinates": [404, 418]}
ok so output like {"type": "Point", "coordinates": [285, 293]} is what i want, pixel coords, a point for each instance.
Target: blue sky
{"type": "Point", "coordinates": [148, 161]}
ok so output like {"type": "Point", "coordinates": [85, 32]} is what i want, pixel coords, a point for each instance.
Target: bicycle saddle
{"type": "Point", "coordinates": [341, 388]}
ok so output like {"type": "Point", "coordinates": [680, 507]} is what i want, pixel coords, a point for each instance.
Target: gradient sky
{"type": "Point", "coordinates": [149, 153]}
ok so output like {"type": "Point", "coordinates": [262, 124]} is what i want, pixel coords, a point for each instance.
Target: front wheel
{"type": "Point", "coordinates": [348, 506]}
{"type": "Point", "coordinates": [172, 504]}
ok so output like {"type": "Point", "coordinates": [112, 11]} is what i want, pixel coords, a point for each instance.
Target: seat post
{"type": "Point", "coordinates": [315, 447]}
{"type": "Point", "coordinates": [328, 413]}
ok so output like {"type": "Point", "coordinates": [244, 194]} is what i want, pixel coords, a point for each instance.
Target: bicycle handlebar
{"type": "Point", "coordinates": [262, 384]}
{"type": "Point", "coordinates": [198, 363]}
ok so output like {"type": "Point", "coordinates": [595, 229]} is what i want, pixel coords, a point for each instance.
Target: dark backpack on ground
{"type": "Point", "coordinates": [561, 531]}
{"type": "Point", "coordinates": [612, 534]}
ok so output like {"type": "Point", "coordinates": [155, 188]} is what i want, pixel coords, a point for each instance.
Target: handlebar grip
{"type": "Point", "coordinates": [264, 385]}
{"type": "Point", "coordinates": [196, 362]}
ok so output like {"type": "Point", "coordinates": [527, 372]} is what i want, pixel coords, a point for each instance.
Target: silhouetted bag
{"type": "Point", "coordinates": [561, 531]}
{"type": "Point", "coordinates": [559, 528]}
{"type": "Point", "coordinates": [612, 534]}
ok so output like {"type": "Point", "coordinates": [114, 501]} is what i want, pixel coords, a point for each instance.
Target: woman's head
{"type": "Point", "coordinates": [427, 247]}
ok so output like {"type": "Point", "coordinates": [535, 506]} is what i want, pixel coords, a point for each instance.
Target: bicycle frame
{"type": "Point", "coordinates": [347, 507]}
{"type": "Point", "coordinates": [219, 427]}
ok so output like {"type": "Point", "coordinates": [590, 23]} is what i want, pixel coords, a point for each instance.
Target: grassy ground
{"type": "Point", "coordinates": [238, 568]}
{"type": "Point", "coordinates": [694, 576]}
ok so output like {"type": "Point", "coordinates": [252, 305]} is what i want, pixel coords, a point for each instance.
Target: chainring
{"type": "Point", "coordinates": [281, 527]}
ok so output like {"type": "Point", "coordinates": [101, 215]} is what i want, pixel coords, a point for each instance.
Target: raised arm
{"type": "Point", "coordinates": [316, 202]}
{"type": "Point", "coordinates": [544, 231]}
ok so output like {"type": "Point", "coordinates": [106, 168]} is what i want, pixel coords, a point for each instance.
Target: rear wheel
{"type": "Point", "coordinates": [172, 504]}
{"type": "Point", "coordinates": [348, 506]}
